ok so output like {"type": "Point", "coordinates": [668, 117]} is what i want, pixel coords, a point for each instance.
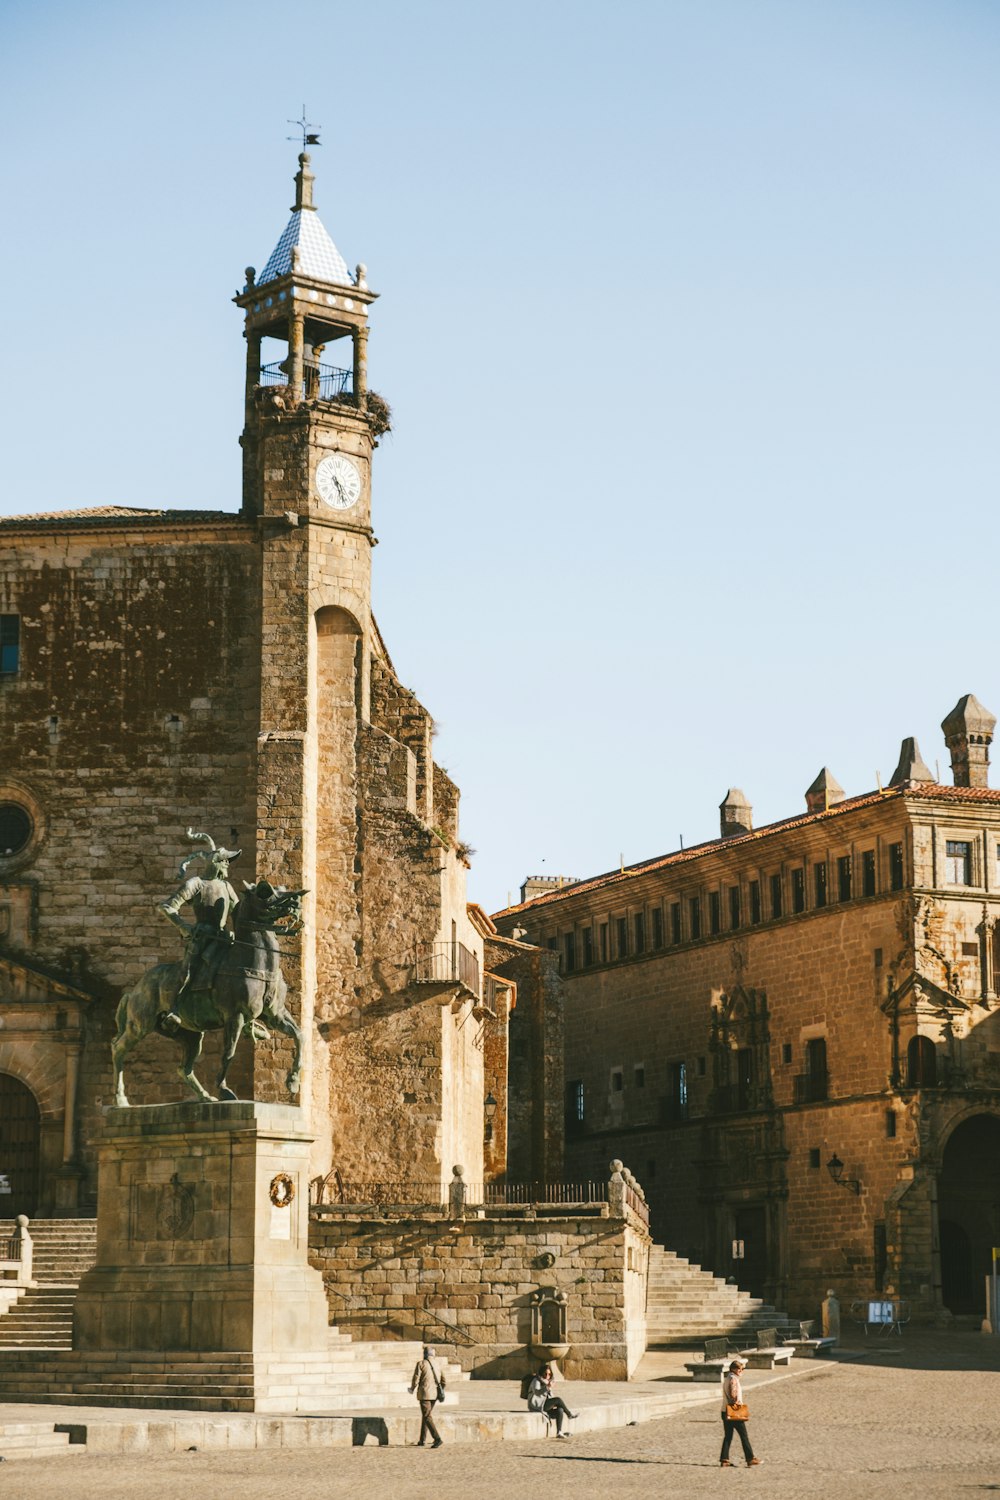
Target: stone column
{"type": "Point", "coordinates": [296, 354]}
{"type": "Point", "coordinates": [69, 1104]}
{"type": "Point", "coordinates": [360, 341]}
{"type": "Point", "coordinates": [253, 366]}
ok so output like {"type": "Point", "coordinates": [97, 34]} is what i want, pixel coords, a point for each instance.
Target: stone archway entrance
{"type": "Point", "coordinates": [19, 1141]}
{"type": "Point", "coordinates": [969, 1212]}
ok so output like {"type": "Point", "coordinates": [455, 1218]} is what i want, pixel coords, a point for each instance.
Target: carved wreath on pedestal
{"type": "Point", "coordinates": [282, 1190]}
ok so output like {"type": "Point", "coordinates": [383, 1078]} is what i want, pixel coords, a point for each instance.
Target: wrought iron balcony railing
{"type": "Point", "coordinates": [811, 1088]}
{"type": "Point", "coordinates": [319, 382]}
{"type": "Point", "coordinates": [447, 964]}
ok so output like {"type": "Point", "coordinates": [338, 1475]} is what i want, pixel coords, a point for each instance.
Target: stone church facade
{"type": "Point", "coordinates": [161, 670]}
{"type": "Point", "coordinates": [792, 1033]}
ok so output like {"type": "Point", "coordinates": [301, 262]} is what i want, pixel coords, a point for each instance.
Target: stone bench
{"type": "Point", "coordinates": [800, 1338]}
{"type": "Point", "coordinates": [768, 1352]}
{"type": "Point", "coordinates": [718, 1353]}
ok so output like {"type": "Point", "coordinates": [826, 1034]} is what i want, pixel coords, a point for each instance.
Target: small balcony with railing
{"type": "Point", "coordinates": [319, 382]}
{"type": "Point", "coordinates": [447, 971]}
{"type": "Point", "coordinates": [812, 1088]}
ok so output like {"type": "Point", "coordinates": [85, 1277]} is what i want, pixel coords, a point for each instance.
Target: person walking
{"type": "Point", "coordinates": [732, 1401]}
{"type": "Point", "coordinates": [541, 1398]}
{"type": "Point", "coordinates": [429, 1387]}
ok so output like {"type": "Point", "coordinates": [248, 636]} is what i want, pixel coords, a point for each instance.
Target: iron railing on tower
{"type": "Point", "coordinates": [319, 382]}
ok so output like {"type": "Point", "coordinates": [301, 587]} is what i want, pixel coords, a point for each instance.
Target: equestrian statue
{"type": "Point", "coordinates": [228, 980]}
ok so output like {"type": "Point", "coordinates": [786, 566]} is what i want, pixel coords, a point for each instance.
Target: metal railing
{"type": "Point", "coordinates": [319, 382]}
{"type": "Point", "coordinates": [333, 1191]}
{"type": "Point", "coordinates": [810, 1088]}
{"type": "Point", "coordinates": [447, 963]}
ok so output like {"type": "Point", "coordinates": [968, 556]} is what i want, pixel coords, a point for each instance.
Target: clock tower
{"type": "Point", "coordinates": [310, 429]}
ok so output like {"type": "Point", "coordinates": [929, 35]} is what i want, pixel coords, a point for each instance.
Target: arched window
{"type": "Point", "coordinates": [921, 1063]}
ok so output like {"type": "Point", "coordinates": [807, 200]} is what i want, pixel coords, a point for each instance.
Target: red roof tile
{"type": "Point", "coordinates": [932, 790]}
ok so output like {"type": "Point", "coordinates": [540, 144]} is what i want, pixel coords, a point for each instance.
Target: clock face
{"type": "Point", "coordinates": [338, 481]}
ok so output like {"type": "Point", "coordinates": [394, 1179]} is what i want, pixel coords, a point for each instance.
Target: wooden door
{"type": "Point", "coordinates": [19, 1131]}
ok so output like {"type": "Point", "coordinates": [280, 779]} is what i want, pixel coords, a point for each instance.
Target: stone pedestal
{"type": "Point", "coordinates": [202, 1235]}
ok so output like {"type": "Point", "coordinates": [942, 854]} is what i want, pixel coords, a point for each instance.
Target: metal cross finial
{"type": "Point", "coordinates": [310, 133]}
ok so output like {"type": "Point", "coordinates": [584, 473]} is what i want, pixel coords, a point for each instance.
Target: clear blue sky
{"type": "Point", "coordinates": [690, 321]}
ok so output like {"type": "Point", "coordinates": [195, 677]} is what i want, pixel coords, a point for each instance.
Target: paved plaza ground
{"type": "Point", "coordinates": [916, 1416]}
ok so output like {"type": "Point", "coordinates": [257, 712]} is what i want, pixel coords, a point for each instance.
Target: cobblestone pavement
{"type": "Point", "coordinates": [919, 1416]}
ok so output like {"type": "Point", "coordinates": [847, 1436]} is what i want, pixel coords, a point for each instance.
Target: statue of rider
{"type": "Point", "coordinates": [213, 901]}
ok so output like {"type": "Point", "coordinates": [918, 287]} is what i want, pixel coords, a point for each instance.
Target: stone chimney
{"type": "Point", "coordinates": [968, 730]}
{"type": "Point", "coordinates": [911, 765]}
{"type": "Point", "coordinates": [825, 792]}
{"type": "Point", "coordinates": [735, 814]}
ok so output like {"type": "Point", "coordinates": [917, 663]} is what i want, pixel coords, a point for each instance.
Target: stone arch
{"type": "Point", "coordinates": [968, 1208]}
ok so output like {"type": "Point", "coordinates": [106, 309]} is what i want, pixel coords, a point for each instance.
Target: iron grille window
{"type": "Point", "coordinates": [896, 873]}
{"type": "Point", "coordinates": [678, 1091]}
{"type": "Point", "coordinates": [868, 872]}
{"type": "Point", "coordinates": [639, 928]}
{"type": "Point", "coordinates": [844, 877]}
{"type": "Point", "coordinates": [714, 912]}
{"type": "Point", "coordinates": [675, 922]}
{"type": "Point", "coordinates": [819, 883]}
{"type": "Point", "coordinates": [798, 890]}
{"type": "Point", "coordinates": [775, 895]}
{"type": "Point", "coordinates": [10, 644]}
{"type": "Point", "coordinates": [734, 907]}
{"type": "Point", "coordinates": [574, 1106]}
{"type": "Point", "coordinates": [755, 911]}
{"type": "Point", "coordinates": [658, 927]}
{"type": "Point", "coordinates": [958, 862]}
{"type": "Point", "coordinates": [694, 911]}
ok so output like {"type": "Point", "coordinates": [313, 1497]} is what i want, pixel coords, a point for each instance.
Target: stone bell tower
{"type": "Point", "coordinates": [309, 432]}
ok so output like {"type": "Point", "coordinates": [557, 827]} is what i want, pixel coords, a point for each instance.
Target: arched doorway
{"type": "Point", "coordinates": [19, 1136]}
{"type": "Point", "coordinates": [969, 1212]}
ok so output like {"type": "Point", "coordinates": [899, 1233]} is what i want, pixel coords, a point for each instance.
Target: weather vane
{"type": "Point", "coordinates": [310, 133]}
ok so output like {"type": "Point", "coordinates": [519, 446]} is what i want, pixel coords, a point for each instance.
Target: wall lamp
{"type": "Point", "coordinates": [835, 1167]}
{"type": "Point", "coordinates": [489, 1110]}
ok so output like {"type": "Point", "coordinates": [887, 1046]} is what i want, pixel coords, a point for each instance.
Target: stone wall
{"type": "Point", "coordinates": [692, 1048]}
{"type": "Point", "coordinates": [467, 1285]}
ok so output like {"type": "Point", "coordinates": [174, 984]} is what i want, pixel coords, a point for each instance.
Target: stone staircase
{"type": "Point", "coordinates": [38, 1362]}
{"type": "Point", "coordinates": [36, 1440]}
{"type": "Point", "coordinates": [685, 1304]}
{"type": "Point", "coordinates": [42, 1317]}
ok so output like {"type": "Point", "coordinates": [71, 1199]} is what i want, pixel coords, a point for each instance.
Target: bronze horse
{"type": "Point", "coordinates": [244, 988]}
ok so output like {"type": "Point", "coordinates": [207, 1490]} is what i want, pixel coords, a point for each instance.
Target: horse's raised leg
{"type": "Point", "coordinates": [130, 1032]}
{"type": "Point", "coordinates": [279, 1018]}
{"type": "Point", "coordinates": [231, 1037]}
{"type": "Point", "coordinates": [192, 1051]}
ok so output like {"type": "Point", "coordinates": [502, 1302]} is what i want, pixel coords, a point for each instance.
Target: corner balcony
{"type": "Point", "coordinates": [449, 972]}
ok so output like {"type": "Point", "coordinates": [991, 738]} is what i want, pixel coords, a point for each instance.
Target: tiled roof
{"type": "Point", "coordinates": [318, 255]}
{"type": "Point", "coordinates": [921, 789]}
{"type": "Point", "coordinates": [117, 513]}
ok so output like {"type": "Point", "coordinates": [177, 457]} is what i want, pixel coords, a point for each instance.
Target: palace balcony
{"type": "Point", "coordinates": [450, 971]}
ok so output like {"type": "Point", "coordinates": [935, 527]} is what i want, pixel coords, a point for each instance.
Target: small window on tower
{"type": "Point", "coordinates": [755, 902]}
{"type": "Point", "coordinates": [658, 927]}
{"type": "Point", "coordinates": [896, 875]}
{"type": "Point", "coordinates": [10, 645]}
{"type": "Point", "coordinates": [694, 912]}
{"type": "Point", "coordinates": [714, 912]}
{"type": "Point", "coordinates": [587, 936]}
{"type": "Point", "coordinates": [734, 907]}
{"type": "Point", "coordinates": [819, 883]}
{"type": "Point", "coordinates": [639, 928]}
{"type": "Point", "coordinates": [675, 922]}
{"type": "Point", "coordinates": [868, 872]}
{"type": "Point", "coordinates": [622, 926]}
